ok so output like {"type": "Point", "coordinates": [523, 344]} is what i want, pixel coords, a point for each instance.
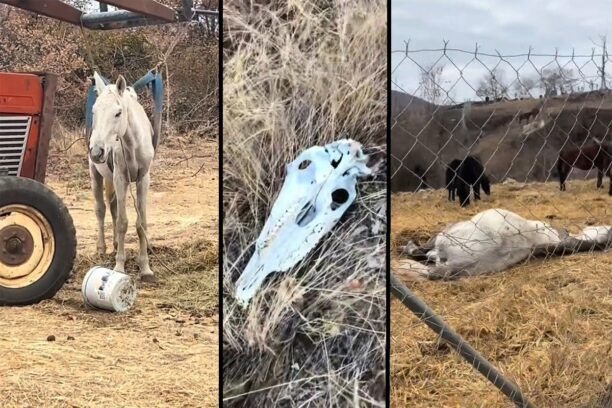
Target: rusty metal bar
{"type": "Point", "coordinates": [112, 20]}
{"type": "Point", "coordinates": [147, 8]}
{"type": "Point", "coordinates": [50, 8]}
{"type": "Point", "coordinates": [47, 116]}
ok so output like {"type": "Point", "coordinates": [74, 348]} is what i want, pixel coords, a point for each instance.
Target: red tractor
{"type": "Point", "coordinates": [37, 234]}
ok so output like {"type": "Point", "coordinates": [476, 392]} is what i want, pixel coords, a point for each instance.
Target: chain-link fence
{"type": "Point", "coordinates": [500, 165]}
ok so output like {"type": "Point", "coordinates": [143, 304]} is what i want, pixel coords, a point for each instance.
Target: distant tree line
{"type": "Point", "coordinates": [497, 83]}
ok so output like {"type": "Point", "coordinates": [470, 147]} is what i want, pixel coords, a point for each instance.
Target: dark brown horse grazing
{"type": "Point", "coordinates": [598, 155]}
{"type": "Point", "coordinates": [527, 116]}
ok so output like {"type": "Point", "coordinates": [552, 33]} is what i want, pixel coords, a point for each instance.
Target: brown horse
{"type": "Point", "coordinates": [527, 116]}
{"type": "Point", "coordinates": [598, 155]}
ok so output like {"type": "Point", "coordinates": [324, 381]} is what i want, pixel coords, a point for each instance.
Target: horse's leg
{"type": "Point", "coordinates": [599, 178]}
{"type": "Point", "coordinates": [121, 187]}
{"type": "Point", "coordinates": [477, 191]}
{"type": "Point", "coordinates": [463, 191]}
{"type": "Point", "coordinates": [111, 196]}
{"type": "Point", "coordinates": [97, 186]}
{"type": "Point", "coordinates": [562, 176]}
{"type": "Point", "coordinates": [113, 209]}
{"type": "Point", "coordinates": [142, 189]}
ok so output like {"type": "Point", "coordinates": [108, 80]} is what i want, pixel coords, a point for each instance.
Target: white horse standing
{"type": "Point", "coordinates": [121, 149]}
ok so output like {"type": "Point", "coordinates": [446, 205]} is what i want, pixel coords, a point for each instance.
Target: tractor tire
{"type": "Point", "coordinates": [37, 242]}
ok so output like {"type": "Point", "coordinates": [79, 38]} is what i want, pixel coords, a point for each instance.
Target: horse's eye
{"type": "Point", "coordinates": [118, 114]}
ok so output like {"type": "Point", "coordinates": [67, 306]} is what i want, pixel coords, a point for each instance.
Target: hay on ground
{"type": "Point", "coordinates": [545, 323]}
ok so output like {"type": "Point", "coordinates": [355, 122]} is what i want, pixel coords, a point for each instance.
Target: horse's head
{"type": "Point", "coordinates": [109, 118]}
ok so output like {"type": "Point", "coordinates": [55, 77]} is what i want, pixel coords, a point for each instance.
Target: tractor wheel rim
{"type": "Point", "coordinates": [16, 245]}
{"type": "Point", "coordinates": [27, 245]}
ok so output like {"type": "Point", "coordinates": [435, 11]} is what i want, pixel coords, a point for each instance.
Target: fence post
{"type": "Point", "coordinates": [469, 354]}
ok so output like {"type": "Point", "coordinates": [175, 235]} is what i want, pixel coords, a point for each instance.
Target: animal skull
{"type": "Point", "coordinates": [318, 188]}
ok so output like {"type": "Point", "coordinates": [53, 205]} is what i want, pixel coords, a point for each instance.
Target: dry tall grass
{"type": "Point", "coordinates": [299, 74]}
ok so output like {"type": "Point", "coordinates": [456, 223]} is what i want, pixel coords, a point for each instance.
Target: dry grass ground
{"type": "Point", "coordinates": [161, 353]}
{"type": "Point", "coordinates": [546, 324]}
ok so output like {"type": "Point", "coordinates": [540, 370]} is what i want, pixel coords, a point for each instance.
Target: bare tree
{"type": "Point", "coordinates": [603, 44]}
{"type": "Point", "coordinates": [557, 81]}
{"type": "Point", "coordinates": [524, 87]}
{"type": "Point", "coordinates": [493, 85]}
{"type": "Point", "coordinates": [430, 84]}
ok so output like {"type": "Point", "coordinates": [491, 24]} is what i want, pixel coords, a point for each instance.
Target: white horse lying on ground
{"type": "Point", "coordinates": [121, 149]}
{"type": "Point", "coordinates": [493, 241]}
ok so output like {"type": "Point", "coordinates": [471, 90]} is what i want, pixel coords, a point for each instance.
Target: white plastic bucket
{"type": "Point", "coordinates": [109, 290]}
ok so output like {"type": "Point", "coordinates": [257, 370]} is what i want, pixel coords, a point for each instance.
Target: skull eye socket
{"type": "Point", "coordinates": [303, 165]}
{"type": "Point", "coordinates": [339, 197]}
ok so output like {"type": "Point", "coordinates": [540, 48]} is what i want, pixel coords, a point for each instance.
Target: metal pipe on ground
{"type": "Point", "coordinates": [469, 354]}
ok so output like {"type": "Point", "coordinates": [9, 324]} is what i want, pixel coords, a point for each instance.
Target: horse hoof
{"type": "Point", "coordinates": [148, 278]}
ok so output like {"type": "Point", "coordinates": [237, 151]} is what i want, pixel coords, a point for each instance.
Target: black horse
{"type": "Point", "coordinates": [461, 174]}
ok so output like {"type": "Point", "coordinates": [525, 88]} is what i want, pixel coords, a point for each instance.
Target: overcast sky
{"type": "Point", "coordinates": [507, 26]}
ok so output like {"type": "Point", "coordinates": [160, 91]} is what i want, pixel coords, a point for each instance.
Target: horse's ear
{"type": "Point", "coordinates": [99, 83]}
{"type": "Point", "coordinates": [121, 84]}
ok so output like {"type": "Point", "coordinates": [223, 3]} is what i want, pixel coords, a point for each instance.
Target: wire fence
{"type": "Point", "coordinates": [496, 160]}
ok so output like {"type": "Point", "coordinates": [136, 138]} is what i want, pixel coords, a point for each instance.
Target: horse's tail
{"type": "Point", "coordinates": [109, 190]}
{"type": "Point", "coordinates": [156, 130]}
